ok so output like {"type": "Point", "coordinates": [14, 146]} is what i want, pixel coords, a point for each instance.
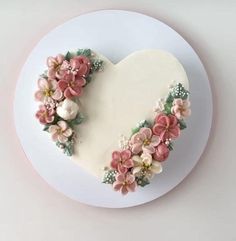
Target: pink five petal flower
{"type": "Point", "coordinates": [166, 127]}
{"type": "Point", "coordinates": [54, 64]}
{"type": "Point", "coordinates": [48, 90]}
{"type": "Point", "coordinates": [80, 65]}
{"type": "Point", "coordinates": [71, 85]}
{"type": "Point", "coordinates": [144, 141]}
{"type": "Point", "coordinates": [125, 183]}
{"type": "Point", "coordinates": [121, 161]}
{"type": "Point", "coordinates": [181, 108]}
{"type": "Point", "coordinates": [45, 115]}
{"type": "Point", "coordinates": [161, 153]}
{"type": "Point", "coordinates": [60, 132]}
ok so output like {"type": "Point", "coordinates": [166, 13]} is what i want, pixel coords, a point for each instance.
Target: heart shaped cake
{"type": "Point", "coordinates": [124, 124]}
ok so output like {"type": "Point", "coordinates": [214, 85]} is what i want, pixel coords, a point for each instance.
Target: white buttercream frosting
{"type": "Point", "coordinates": [118, 98]}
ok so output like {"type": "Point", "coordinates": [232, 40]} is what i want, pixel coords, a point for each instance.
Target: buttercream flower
{"type": "Point", "coordinates": [125, 183]}
{"type": "Point", "coordinates": [67, 109]}
{"type": "Point", "coordinates": [121, 161]}
{"type": "Point", "coordinates": [60, 132]}
{"type": "Point", "coordinates": [71, 85]}
{"type": "Point", "coordinates": [45, 115]}
{"type": "Point", "coordinates": [48, 90]}
{"type": "Point", "coordinates": [181, 108]}
{"type": "Point", "coordinates": [54, 66]}
{"type": "Point", "coordinates": [161, 153]}
{"type": "Point", "coordinates": [144, 141]}
{"type": "Point", "coordinates": [166, 127]}
{"type": "Point", "coordinates": [80, 65]}
{"type": "Point", "coordinates": [144, 165]}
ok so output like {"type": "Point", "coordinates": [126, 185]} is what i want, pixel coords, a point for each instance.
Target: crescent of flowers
{"type": "Point", "coordinates": [140, 156]}
{"type": "Point", "coordinates": [59, 89]}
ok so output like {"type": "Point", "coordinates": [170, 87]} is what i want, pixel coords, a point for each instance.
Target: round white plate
{"type": "Point", "coordinates": [115, 34]}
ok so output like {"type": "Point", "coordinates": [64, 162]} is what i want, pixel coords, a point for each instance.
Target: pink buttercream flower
{"type": "Point", "coordinates": [144, 141]}
{"type": "Point", "coordinates": [80, 65]}
{"type": "Point", "coordinates": [166, 127]}
{"type": "Point", "coordinates": [121, 161]}
{"type": "Point", "coordinates": [161, 153]}
{"type": "Point", "coordinates": [125, 183]}
{"type": "Point", "coordinates": [71, 85]}
{"type": "Point", "coordinates": [181, 108]}
{"type": "Point", "coordinates": [60, 132]}
{"type": "Point", "coordinates": [54, 64]}
{"type": "Point", "coordinates": [45, 115]}
{"type": "Point", "coordinates": [48, 90]}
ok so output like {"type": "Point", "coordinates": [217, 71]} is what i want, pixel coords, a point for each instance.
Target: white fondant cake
{"type": "Point", "coordinates": [118, 98]}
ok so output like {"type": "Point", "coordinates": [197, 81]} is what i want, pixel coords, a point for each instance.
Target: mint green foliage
{"type": "Point", "coordinates": [168, 104]}
{"type": "Point", "coordinates": [96, 64]}
{"type": "Point", "coordinates": [170, 146]}
{"type": "Point", "coordinates": [141, 124]}
{"type": "Point", "coordinates": [109, 176]}
{"type": "Point", "coordinates": [85, 52]}
{"type": "Point", "coordinates": [179, 92]}
{"type": "Point", "coordinates": [182, 124]}
{"type": "Point", "coordinates": [142, 181]}
{"type": "Point", "coordinates": [67, 147]}
{"type": "Point", "coordinates": [78, 120]}
{"type": "Point", "coordinates": [69, 55]}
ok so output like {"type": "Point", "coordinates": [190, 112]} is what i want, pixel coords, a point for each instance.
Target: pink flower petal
{"type": "Point", "coordinates": [121, 169]}
{"type": "Point", "coordinates": [55, 136]}
{"type": "Point", "coordinates": [53, 129]}
{"type": "Point", "coordinates": [116, 155]}
{"type": "Point", "coordinates": [63, 125]}
{"type": "Point", "coordinates": [131, 187]}
{"type": "Point", "coordinates": [124, 190]}
{"type": "Point", "coordinates": [68, 132]}
{"type": "Point", "coordinates": [149, 149]}
{"type": "Point", "coordinates": [53, 84]}
{"type": "Point", "coordinates": [120, 177]}
{"type": "Point", "coordinates": [43, 84]}
{"type": "Point", "coordinates": [80, 81]}
{"type": "Point", "coordinates": [57, 95]}
{"type": "Point", "coordinates": [39, 95]}
{"type": "Point", "coordinates": [147, 132]}
{"type": "Point", "coordinates": [137, 138]}
{"type": "Point", "coordinates": [51, 62]}
{"type": "Point", "coordinates": [67, 93]}
{"type": "Point", "coordinates": [128, 163]}
{"type": "Point", "coordinates": [155, 140]}
{"type": "Point", "coordinates": [174, 132]}
{"type": "Point", "coordinates": [62, 139]}
{"type": "Point", "coordinates": [83, 70]}
{"type": "Point", "coordinates": [157, 129]}
{"type": "Point", "coordinates": [49, 119]}
{"type": "Point", "coordinates": [126, 154]}
{"type": "Point", "coordinates": [114, 164]}
{"type": "Point", "coordinates": [62, 84]}
{"type": "Point", "coordinates": [51, 73]}
{"type": "Point", "coordinates": [137, 148]}
{"type": "Point", "coordinates": [130, 178]}
{"type": "Point", "coordinates": [117, 185]}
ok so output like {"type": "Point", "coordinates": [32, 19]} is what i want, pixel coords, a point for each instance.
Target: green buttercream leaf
{"type": "Point", "coordinates": [68, 56]}
{"type": "Point", "coordinates": [182, 124]}
{"type": "Point", "coordinates": [109, 176]}
{"type": "Point", "coordinates": [178, 91]}
{"type": "Point", "coordinates": [78, 120]}
{"type": "Point", "coordinates": [46, 128]}
{"type": "Point", "coordinates": [85, 52]}
{"type": "Point", "coordinates": [96, 64]}
{"type": "Point", "coordinates": [142, 181]}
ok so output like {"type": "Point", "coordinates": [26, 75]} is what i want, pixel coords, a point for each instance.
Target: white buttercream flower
{"type": "Point", "coordinates": [159, 107]}
{"type": "Point", "coordinates": [144, 165]}
{"type": "Point", "coordinates": [67, 109]}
